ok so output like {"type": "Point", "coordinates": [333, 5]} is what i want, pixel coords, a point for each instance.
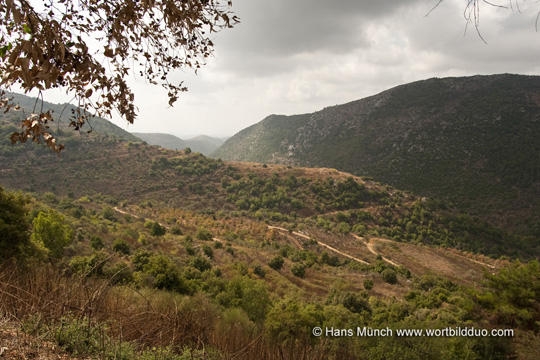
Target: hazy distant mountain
{"type": "Point", "coordinates": [203, 144]}
{"type": "Point", "coordinates": [472, 139]}
{"type": "Point", "coordinates": [164, 140]}
{"type": "Point", "coordinates": [61, 114]}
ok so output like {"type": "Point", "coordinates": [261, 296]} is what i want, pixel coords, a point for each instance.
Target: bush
{"type": "Point", "coordinates": [298, 270]}
{"type": "Point", "coordinates": [157, 230]}
{"type": "Point", "coordinates": [50, 231]}
{"type": "Point", "coordinates": [259, 271]}
{"type": "Point", "coordinates": [200, 263]}
{"type": "Point", "coordinates": [207, 250]}
{"type": "Point", "coordinates": [108, 213]}
{"type": "Point", "coordinates": [389, 276]}
{"type": "Point", "coordinates": [96, 243]}
{"type": "Point", "coordinates": [175, 230]}
{"type": "Point", "coordinates": [218, 245]}
{"type": "Point", "coordinates": [276, 263]}
{"type": "Point", "coordinates": [203, 234]}
{"type": "Point", "coordinates": [121, 246]}
{"type": "Point", "coordinates": [118, 273]}
{"type": "Point", "coordinates": [165, 273]}
{"type": "Point", "coordinates": [368, 284]}
{"type": "Point", "coordinates": [14, 226]}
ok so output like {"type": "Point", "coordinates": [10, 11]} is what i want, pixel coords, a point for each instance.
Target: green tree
{"type": "Point", "coordinates": [14, 227]}
{"type": "Point", "coordinates": [121, 246]}
{"type": "Point", "coordinates": [200, 263]}
{"type": "Point", "coordinates": [50, 231]}
{"type": "Point", "coordinates": [203, 234]}
{"type": "Point", "coordinates": [276, 263]}
{"type": "Point", "coordinates": [389, 276]}
{"type": "Point", "coordinates": [368, 284]}
{"type": "Point", "coordinates": [157, 230]}
{"type": "Point", "coordinates": [299, 270]}
{"type": "Point", "coordinates": [248, 294]}
{"type": "Point", "coordinates": [514, 293]}
{"type": "Point", "coordinates": [108, 213]}
{"type": "Point", "coordinates": [96, 243]}
{"type": "Point", "coordinates": [165, 273]}
{"type": "Point", "coordinates": [290, 322]}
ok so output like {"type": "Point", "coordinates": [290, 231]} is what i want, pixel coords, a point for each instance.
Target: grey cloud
{"type": "Point", "coordinates": [273, 32]}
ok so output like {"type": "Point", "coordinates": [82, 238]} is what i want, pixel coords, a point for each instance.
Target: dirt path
{"type": "Point", "coordinates": [137, 216]}
{"type": "Point", "coordinates": [369, 245]}
{"type": "Point", "coordinates": [371, 249]}
{"type": "Point", "coordinates": [320, 243]}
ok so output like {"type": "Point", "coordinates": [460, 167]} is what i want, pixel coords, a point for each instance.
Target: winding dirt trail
{"type": "Point", "coordinates": [320, 243]}
{"type": "Point", "coordinates": [369, 245]}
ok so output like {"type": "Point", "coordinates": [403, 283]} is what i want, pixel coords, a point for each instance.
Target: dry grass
{"type": "Point", "coordinates": [40, 307]}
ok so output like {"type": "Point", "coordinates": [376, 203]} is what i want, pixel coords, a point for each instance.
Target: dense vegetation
{"type": "Point", "coordinates": [130, 290]}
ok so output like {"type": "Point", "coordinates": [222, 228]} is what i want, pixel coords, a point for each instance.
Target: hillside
{"type": "Point", "coordinates": [167, 141]}
{"type": "Point", "coordinates": [473, 140]}
{"type": "Point", "coordinates": [61, 114]}
{"type": "Point", "coordinates": [172, 255]}
{"type": "Point", "coordinates": [203, 144]}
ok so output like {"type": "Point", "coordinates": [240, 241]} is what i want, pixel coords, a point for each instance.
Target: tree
{"type": "Point", "coordinates": [90, 47]}
{"type": "Point", "coordinates": [299, 270]}
{"type": "Point", "coordinates": [49, 230]}
{"type": "Point", "coordinates": [471, 13]}
{"type": "Point", "coordinates": [14, 227]}
{"type": "Point", "coordinates": [276, 263]}
{"type": "Point", "coordinates": [389, 276]}
{"type": "Point", "coordinates": [157, 229]}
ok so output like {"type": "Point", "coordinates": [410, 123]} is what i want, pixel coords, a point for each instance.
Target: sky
{"type": "Point", "coordinates": [294, 57]}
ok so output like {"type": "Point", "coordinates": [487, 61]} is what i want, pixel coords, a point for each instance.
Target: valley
{"type": "Point", "coordinates": [168, 254]}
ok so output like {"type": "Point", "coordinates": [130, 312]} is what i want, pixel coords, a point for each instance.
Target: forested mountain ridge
{"type": "Point", "coordinates": [473, 140]}
{"type": "Point", "coordinates": [61, 114]}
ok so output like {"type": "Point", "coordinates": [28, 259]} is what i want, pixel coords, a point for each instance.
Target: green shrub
{"type": "Point", "coordinates": [121, 246]}
{"type": "Point", "coordinates": [203, 234]}
{"type": "Point", "coordinates": [157, 230]}
{"type": "Point", "coordinates": [259, 270]}
{"type": "Point", "coordinates": [50, 231]}
{"type": "Point", "coordinates": [389, 276]}
{"type": "Point", "coordinates": [298, 270]}
{"type": "Point", "coordinates": [276, 263]}
{"type": "Point", "coordinates": [14, 227]}
{"type": "Point", "coordinates": [200, 263]}
{"type": "Point", "coordinates": [368, 284]}
{"type": "Point", "coordinates": [175, 230]}
{"type": "Point", "coordinates": [96, 242]}
{"type": "Point", "coordinates": [207, 250]}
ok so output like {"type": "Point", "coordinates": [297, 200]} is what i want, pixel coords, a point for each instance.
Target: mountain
{"type": "Point", "coordinates": [203, 144]}
{"type": "Point", "coordinates": [473, 140]}
{"type": "Point", "coordinates": [167, 141]}
{"type": "Point", "coordinates": [61, 113]}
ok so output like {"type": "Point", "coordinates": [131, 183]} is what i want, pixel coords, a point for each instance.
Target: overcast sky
{"type": "Point", "coordinates": [299, 56]}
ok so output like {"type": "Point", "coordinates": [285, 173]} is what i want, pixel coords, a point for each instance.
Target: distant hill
{"type": "Point", "coordinates": [203, 144]}
{"type": "Point", "coordinates": [167, 141]}
{"type": "Point", "coordinates": [471, 139]}
{"type": "Point", "coordinates": [61, 114]}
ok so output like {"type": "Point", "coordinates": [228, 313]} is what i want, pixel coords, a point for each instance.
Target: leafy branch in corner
{"type": "Point", "coordinates": [89, 47]}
